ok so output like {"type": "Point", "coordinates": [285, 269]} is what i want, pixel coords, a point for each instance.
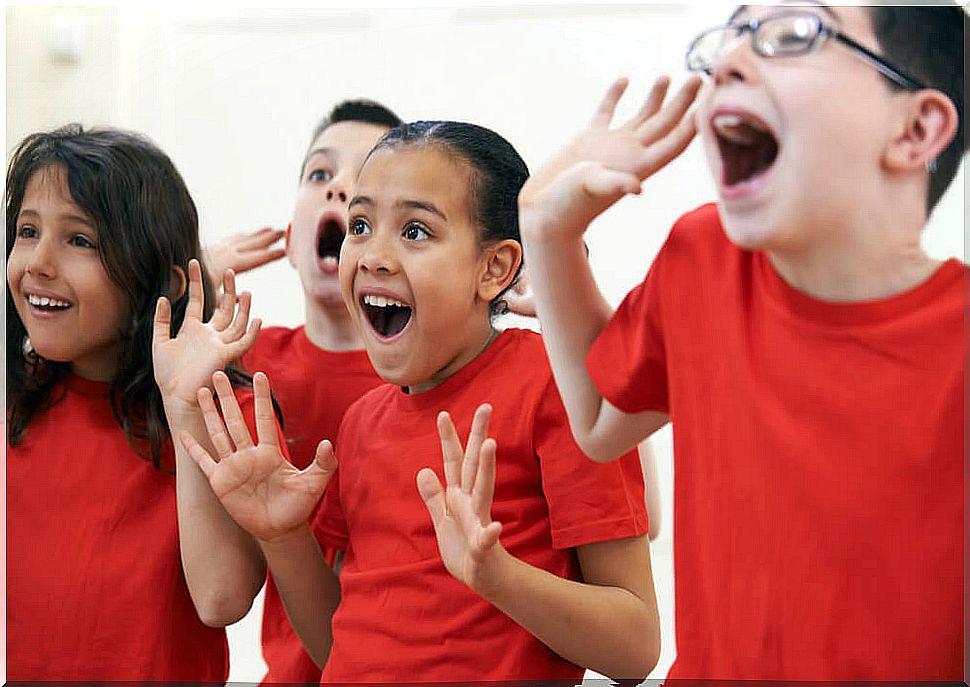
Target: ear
{"type": "Point", "coordinates": [929, 123]}
{"type": "Point", "coordinates": [179, 283]}
{"type": "Point", "coordinates": [286, 244]}
{"type": "Point", "coordinates": [501, 261]}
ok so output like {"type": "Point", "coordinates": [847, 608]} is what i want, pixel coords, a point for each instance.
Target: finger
{"type": "Point", "coordinates": [162, 328]}
{"type": "Point", "coordinates": [477, 435]}
{"type": "Point", "coordinates": [198, 454]}
{"type": "Point", "coordinates": [318, 473]}
{"type": "Point", "coordinates": [196, 293]}
{"type": "Point", "coordinates": [265, 417]}
{"type": "Point", "coordinates": [604, 113]}
{"type": "Point", "coordinates": [214, 424]}
{"type": "Point", "coordinates": [227, 302]}
{"type": "Point", "coordinates": [607, 185]}
{"type": "Point", "coordinates": [668, 118]}
{"type": "Point", "coordinates": [450, 450]}
{"type": "Point", "coordinates": [238, 349]}
{"type": "Point", "coordinates": [485, 483]}
{"type": "Point", "coordinates": [433, 495]}
{"type": "Point", "coordinates": [261, 238]}
{"type": "Point", "coordinates": [653, 102]}
{"type": "Point", "coordinates": [489, 536]}
{"type": "Point", "coordinates": [521, 301]}
{"type": "Point", "coordinates": [664, 151]}
{"type": "Point", "coordinates": [239, 322]}
{"type": "Point", "coordinates": [235, 424]}
{"type": "Point", "coordinates": [259, 257]}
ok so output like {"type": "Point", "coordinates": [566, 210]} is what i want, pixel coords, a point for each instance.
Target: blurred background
{"type": "Point", "coordinates": [232, 95]}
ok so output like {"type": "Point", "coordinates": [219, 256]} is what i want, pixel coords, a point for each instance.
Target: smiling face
{"type": "Point", "coordinates": [320, 216]}
{"type": "Point", "coordinates": [412, 269]}
{"type": "Point", "coordinates": [795, 143]}
{"type": "Point", "coordinates": [73, 312]}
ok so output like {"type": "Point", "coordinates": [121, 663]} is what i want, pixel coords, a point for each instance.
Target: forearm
{"type": "Point", "coordinates": [571, 320]}
{"type": "Point", "coordinates": [224, 567]}
{"type": "Point", "coordinates": [608, 629]}
{"type": "Point", "coordinates": [308, 587]}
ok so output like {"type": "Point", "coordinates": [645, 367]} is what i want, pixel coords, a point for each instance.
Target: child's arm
{"type": "Point", "coordinates": [651, 487]}
{"type": "Point", "coordinates": [556, 205]}
{"type": "Point", "coordinates": [608, 623]}
{"type": "Point", "coordinates": [271, 500]}
{"type": "Point", "coordinates": [223, 566]}
{"type": "Point", "coordinates": [243, 252]}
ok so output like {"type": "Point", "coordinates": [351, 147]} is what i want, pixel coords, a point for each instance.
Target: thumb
{"type": "Point", "coordinates": [429, 486]}
{"type": "Point", "coordinates": [323, 467]}
{"type": "Point", "coordinates": [162, 329]}
{"type": "Point", "coordinates": [607, 184]}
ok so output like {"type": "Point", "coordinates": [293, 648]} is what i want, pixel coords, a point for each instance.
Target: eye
{"type": "Point", "coordinates": [358, 227]}
{"type": "Point", "coordinates": [415, 232]}
{"type": "Point", "coordinates": [82, 241]}
{"type": "Point", "coordinates": [27, 232]}
{"type": "Point", "coordinates": [320, 175]}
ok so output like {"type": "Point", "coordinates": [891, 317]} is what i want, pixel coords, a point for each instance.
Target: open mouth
{"type": "Point", "coordinates": [47, 304]}
{"type": "Point", "coordinates": [387, 316]}
{"type": "Point", "coordinates": [748, 147]}
{"type": "Point", "coordinates": [330, 235]}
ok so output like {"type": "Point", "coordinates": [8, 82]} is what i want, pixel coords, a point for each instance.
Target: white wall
{"type": "Point", "coordinates": [232, 95]}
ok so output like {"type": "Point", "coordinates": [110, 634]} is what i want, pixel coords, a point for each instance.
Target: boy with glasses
{"type": "Point", "coordinates": [808, 351]}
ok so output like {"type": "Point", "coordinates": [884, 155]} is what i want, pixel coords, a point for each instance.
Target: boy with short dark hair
{"type": "Point", "coordinates": [808, 351]}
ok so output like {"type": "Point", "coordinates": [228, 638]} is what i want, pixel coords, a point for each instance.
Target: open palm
{"type": "Point", "coordinates": [187, 362]}
{"type": "Point", "coordinates": [257, 486]}
{"type": "Point", "coordinates": [467, 536]}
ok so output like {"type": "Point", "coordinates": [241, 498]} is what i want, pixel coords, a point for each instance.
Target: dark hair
{"type": "Point", "coordinates": [359, 110]}
{"type": "Point", "coordinates": [498, 173]}
{"type": "Point", "coordinates": [929, 42]}
{"type": "Point", "coordinates": [147, 224]}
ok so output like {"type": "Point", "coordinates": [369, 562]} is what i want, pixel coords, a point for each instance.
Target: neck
{"type": "Point", "coordinates": [454, 366]}
{"type": "Point", "coordinates": [868, 256]}
{"type": "Point", "coordinates": [331, 328]}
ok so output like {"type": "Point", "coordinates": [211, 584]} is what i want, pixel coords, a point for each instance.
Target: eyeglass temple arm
{"type": "Point", "coordinates": [872, 58]}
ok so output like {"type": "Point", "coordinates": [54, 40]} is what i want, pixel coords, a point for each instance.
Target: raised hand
{"type": "Point", "coordinates": [602, 164]}
{"type": "Point", "coordinates": [461, 512]}
{"type": "Point", "coordinates": [184, 364]}
{"type": "Point", "coordinates": [244, 251]}
{"type": "Point", "coordinates": [264, 493]}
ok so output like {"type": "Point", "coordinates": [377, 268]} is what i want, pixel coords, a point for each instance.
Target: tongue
{"type": "Point", "coordinates": [389, 320]}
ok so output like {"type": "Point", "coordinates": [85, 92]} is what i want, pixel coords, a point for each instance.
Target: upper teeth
{"type": "Point", "coordinates": [736, 128]}
{"type": "Point", "coordinates": [382, 302]}
{"type": "Point", "coordinates": [44, 300]}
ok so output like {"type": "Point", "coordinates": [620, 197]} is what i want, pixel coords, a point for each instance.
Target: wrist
{"type": "Point", "coordinates": [494, 574]}
{"type": "Point", "coordinates": [286, 540]}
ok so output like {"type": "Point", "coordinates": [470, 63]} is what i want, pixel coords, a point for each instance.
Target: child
{"type": "Point", "coordinates": [99, 224]}
{"type": "Point", "coordinates": [558, 580]}
{"type": "Point", "coordinates": [809, 353]}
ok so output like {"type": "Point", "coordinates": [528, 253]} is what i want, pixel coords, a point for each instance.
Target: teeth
{"type": "Point", "coordinates": [736, 129]}
{"type": "Point", "coordinates": [382, 302]}
{"type": "Point", "coordinates": [44, 301]}
{"type": "Point", "coordinates": [330, 261]}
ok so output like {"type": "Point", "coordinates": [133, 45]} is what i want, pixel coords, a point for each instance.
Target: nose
{"type": "Point", "coordinates": [337, 190]}
{"type": "Point", "coordinates": [377, 254]}
{"type": "Point", "coordinates": [41, 262]}
{"type": "Point", "coordinates": [736, 61]}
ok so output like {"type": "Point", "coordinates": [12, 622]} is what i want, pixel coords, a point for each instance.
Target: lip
{"type": "Point", "coordinates": [329, 216]}
{"type": "Point", "coordinates": [386, 293]}
{"type": "Point", "coordinates": [752, 186]}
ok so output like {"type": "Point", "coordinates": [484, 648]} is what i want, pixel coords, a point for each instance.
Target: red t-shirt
{"type": "Point", "coordinates": [402, 616]}
{"type": "Point", "coordinates": [314, 388]}
{"type": "Point", "coordinates": [95, 588]}
{"type": "Point", "coordinates": [818, 447]}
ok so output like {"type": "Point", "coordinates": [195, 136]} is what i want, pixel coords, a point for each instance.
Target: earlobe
{"type": "Point", "coordinates": [502, 261]}
{"type": "Point", "coordinates": [930, 124]}
{"type": "Point", "coordinates": [179, 283]}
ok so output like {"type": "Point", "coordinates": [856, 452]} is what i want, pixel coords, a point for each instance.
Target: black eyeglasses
{"type": "Point", "coordinates": [785, 35]}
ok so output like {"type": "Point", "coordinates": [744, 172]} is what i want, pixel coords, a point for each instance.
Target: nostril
{"type": "Point", "coordinates": [329, 194]}
{"type": "Point", "coordinates": [343, 197]}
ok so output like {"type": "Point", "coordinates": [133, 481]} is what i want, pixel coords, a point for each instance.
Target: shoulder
{"type": "Point", "coordinates": [699, 227]}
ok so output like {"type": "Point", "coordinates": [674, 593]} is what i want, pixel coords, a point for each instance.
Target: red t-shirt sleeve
{"type": "Point", "coordinates": [628, 362]}
{"type": "Point", "coordinates": [588, 502]}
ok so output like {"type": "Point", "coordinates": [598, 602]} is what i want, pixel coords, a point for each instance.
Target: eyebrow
{"type": "Point", "coordinates": [814, 3]}
{"type": "Point", "coordinates": [407, 204]}
{"type": "Point", "coordinates": [77, 219]}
